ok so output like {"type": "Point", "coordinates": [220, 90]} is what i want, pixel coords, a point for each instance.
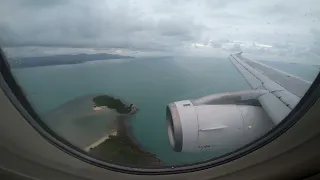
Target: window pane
{"type": "Point", "coordinates": [161, 83]}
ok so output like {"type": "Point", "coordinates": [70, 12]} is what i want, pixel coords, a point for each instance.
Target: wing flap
{"type": "Point", "coordinates": [279, 101]}
{"type": "Point", "coordinates": [265, 82]}
{"type": "Point", "coordinates": [276, 109]}
{"type": "Point", "coordinates": [289, 99]}
{"type": "Point", "coordinates": [290, 82]}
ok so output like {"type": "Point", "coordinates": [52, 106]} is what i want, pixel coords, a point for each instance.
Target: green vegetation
{"type": "Point", "coordinates": [112, 103]}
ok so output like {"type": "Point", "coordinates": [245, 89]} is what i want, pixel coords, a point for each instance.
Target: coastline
{"type": "Point", "coordinates": [100, 131]}
{"type": "Point", "coordinates": [77, 122]}
{"type": "Point", "coordinates": [123, 148]}
{"type": "Point", "coordinates": [100, 141]}
{"type": "Point", "coordinates": [121, 119]}
{"type": "Point", "coordinates": [132, 137]}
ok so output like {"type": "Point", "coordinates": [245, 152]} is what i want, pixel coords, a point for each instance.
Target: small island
{"type": "Point", "coordinates": [103, 101]}
{"type": "Point", "coordinates": [101, 125]}
{"type": "Point", "coordinates": [121, 147]}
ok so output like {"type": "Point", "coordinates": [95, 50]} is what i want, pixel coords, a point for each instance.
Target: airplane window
{"type": "Point", "coordinates": [155, 84]}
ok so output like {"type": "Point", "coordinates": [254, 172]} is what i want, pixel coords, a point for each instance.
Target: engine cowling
{"type": "Point", "coordinates": [196, 128]}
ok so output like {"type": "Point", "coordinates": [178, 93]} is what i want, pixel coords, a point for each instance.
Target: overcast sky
{"type": "Point", "coordinates": [279, 27]}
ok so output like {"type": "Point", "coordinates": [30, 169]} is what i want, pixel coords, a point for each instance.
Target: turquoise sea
{"type": "Point", "coordinates": [151, 83]}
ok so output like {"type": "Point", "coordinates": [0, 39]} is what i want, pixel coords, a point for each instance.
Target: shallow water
{"type": "Point", "coordinates": [77, 122]}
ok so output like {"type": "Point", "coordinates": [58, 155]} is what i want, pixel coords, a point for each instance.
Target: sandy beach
{"type": "Point", "coordinates": [99, 131]}
{"type": "Point", "coordinates": [124, 147]}
{"type": "Point", "coordinates": [83, 129]}
{"type": "Point", "coordinates": [97, 143]}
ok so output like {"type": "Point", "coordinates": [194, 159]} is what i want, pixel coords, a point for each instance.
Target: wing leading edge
{"type": "Point", "coordinates": [284, 90]}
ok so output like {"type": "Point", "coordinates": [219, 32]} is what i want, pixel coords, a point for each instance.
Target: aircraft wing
{"type": "Point", "coordinates": [284, 90]}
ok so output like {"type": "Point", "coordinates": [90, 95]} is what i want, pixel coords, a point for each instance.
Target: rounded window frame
{"type": "Point", "coordinates": [17, 98]}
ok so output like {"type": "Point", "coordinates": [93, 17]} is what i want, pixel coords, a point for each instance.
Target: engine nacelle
{"type": "Point", "coordinates": [195, 128]}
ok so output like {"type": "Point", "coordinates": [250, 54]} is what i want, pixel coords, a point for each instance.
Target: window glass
{"type": "Point", "coordinates": [161, 83]}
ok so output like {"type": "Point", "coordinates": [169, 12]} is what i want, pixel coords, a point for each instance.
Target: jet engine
{"type": "Point", "coordinates": [217, 122]}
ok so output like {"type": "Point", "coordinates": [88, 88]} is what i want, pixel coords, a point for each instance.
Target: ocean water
{"type": "Point", "coordinates": [151, 83]}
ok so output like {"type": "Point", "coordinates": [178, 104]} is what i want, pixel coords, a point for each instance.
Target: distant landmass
{"type": "Point", "coordinates": [61, 59]}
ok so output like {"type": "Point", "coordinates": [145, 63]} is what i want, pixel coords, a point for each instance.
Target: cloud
{"type": "Point", "coordinates": [236, 48]}
{"type": "Point", "coordinates": [281, 45]}
{"type": "Point", "coordinates": [315, 48]}
{"type": "Point", "coordinates": [164, 26]}
{"type": "Point", "coordinates": [216, 44]}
